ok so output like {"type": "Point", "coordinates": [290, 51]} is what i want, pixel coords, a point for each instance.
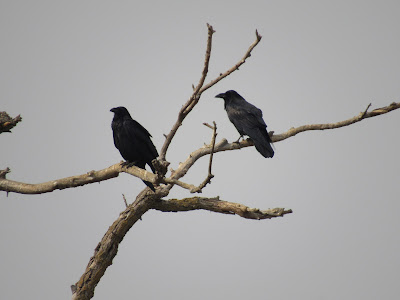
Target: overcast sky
{"type": "Point", "coordinates": [64, 64]}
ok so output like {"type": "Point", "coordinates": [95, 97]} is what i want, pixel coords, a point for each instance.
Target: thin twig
{"type": "Point", "coordinates": [194, 98]}
{"type": "Point", "coordinates": [210, 176]}
{"type": "Point", "coordinates": [235, 67]}
{"type": "Point", "coordinates": [126, 203]}
{"type": "Point", "coordinates": [362, 116]}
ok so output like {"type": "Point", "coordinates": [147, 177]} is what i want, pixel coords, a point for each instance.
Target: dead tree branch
{"type": "Point", "coordinates": [107, 249]}
{"type": "Point", "coordinates": [194, 99]}
{"type": "Point", "coordinates": [219, 206]}
{"type": "Point", "coordinates": [235, 67]}
{"type": "Point", "coordinates": [361, 116]}
{"type": "Point", "coordinates": [72, 181]}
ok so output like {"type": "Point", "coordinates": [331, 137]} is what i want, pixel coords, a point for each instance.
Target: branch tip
{"type": "Point", "coordinates": [210, 28]}
{"type": "Point", "coordinates": [259, 37]}
{"type": "Point", "coordinates": [363, 114]}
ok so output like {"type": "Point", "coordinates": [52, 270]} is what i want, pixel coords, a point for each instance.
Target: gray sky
{"type": "Point", "coordinates": [64, 64]}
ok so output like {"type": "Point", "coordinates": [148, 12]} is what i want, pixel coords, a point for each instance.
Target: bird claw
{"type": "Point", "coordinates": [238, 140]}
{"type": "Point", "coordinates": [128, 164]}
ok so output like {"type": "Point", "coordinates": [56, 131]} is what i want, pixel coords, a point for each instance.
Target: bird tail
{"type": "Point", "coordinates": [142, 166]}
{"type": "Point", "coordinates": [149, 184]}
{"type": "Point", "coordinates": [262, 142]}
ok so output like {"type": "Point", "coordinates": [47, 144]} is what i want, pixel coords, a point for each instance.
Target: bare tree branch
{"type": "Point", "coordinates": [107, 249]}
{"type": "Point", "coordinates": [194, 99]}
{"type": "Point", "coordinates": [7, 123]}
{"type": "Point", "coordinates": [80, 180]}
{"type": "Point", "coordinates": [72, 181]}
{"type": "Point", "coordinates": [219, 206]}
{"type": "Point", "coordinates": [363, 115]}
{"type": "Point", "coordinates": [235, 67]}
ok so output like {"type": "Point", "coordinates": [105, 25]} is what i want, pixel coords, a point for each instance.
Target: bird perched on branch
{"type": "Point", "coordinates": [133, 141]}
{"type": "Point", "coordinates": [248, 120]}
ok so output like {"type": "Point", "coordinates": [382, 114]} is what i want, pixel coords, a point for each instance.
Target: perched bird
{"type": "Point", "coordinates": [248, 121]}
{"type": "Point", "coordinates": [133, 141]}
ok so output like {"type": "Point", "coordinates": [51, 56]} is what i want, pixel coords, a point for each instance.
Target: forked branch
{"type": "Point", "coordinates": [199, 89]}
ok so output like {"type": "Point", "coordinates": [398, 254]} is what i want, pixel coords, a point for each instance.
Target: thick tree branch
{"type": "Point", "coordinates": [7, 123]}
{"type": "Point", "coordinates": [80, 180]}
{"type": "Point", "coordinates": [107, 249]}
{"type": "Point", "coordinates": [219, 206]}
{"type": "Point", "coordinates": [72, 181]}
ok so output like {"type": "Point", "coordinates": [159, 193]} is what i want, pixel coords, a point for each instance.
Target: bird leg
{"type": "Point", "coordinates": [237, 141]}
{"type": "Point", "coordinates": [128, 164]}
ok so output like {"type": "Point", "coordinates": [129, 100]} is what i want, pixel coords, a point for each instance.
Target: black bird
{"type": "Point", "coordinates": [133, 141]}
{"type": "Point", "coordinates": [248, 121]}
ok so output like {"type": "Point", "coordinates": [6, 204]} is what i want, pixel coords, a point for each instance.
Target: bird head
{"type": "Point", "coordinates": [227, 95]}
{"type": "Point", "coordinates": [120, 111]}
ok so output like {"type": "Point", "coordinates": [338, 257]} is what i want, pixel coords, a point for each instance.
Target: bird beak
{"type": "Point", "coordinates": [112, 110]}
{"type": "Point", "coordinates": [222, 95]}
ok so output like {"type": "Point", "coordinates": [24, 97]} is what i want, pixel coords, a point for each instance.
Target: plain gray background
{"type": "Point", "coordinates": [64, 64]}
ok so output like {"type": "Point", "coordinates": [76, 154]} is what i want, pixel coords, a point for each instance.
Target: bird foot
{"type": "Point", "coordinates": [127, 164]}
{"type": "Point", "coordinates": [237, 141]}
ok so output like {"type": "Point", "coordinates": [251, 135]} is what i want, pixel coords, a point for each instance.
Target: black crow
{"type": "Point", "coordinates": [133, 141]}
{"type": "Point", "coordinates": [248, 121]}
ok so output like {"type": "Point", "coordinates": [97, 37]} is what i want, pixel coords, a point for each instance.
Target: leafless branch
{"type": "Point", "coordinates": [72, 181]}
{"type": "Point", "coordinates": [126, 203]}
{"type": "Point", "coordinates": [235, 67]}
{"type": "Point", "coordinates": [363, 115]}
{"type": "Point", "coordinates": [107, 249]}
{"type": "Point", "coordinates": [193, 100]}
{"type": "Point", "coordinates": [199, 89]}
{"type": "Point", "coordinates": [219, 206]}
{"type": "Point", "coordinates": [80, 180]}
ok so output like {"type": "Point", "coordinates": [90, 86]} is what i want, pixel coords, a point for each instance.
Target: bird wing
{"type": "Point", "coordinates": [245, 117]}
{"type": "Point", "coordinates": [255, 114]}
{"type": "Point", "coordinates": [142, 137]}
